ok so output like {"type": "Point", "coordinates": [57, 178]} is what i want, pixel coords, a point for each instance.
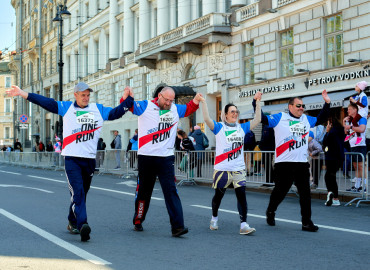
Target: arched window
{"type": "Point", "coordinates": [189, 72]}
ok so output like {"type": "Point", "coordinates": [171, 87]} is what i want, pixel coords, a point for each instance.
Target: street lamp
{"type": "Point", "coordinates": [61, 11]}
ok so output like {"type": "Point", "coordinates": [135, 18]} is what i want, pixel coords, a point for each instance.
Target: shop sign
{"type": "Point", "coordinates": [265, 90]}
{"type": "Point", "coordinates": [318, 106]}
{"type": "Point", "coordinates": [341, 77]}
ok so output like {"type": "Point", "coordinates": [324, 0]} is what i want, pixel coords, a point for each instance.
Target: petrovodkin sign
{"type": "Point", "coordinates": [341, 77]}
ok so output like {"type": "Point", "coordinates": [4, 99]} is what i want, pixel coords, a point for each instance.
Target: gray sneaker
{"type": "Point", "coordinates": [213, 226]}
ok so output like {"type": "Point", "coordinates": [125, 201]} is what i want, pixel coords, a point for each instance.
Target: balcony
{"type": "Point", "coordinates": [210, 28]}
{"type": "Point", "coordinates": [247, 12]}
{"type": "Point", "coordinates": [285, 2]}
{"type": "Point", "coordinates": [33, 48]}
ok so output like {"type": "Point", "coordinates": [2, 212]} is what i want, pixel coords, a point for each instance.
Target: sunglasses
{"type": "Point", "coordinates": [300, 105]}
{"type": "Point", "coordinates": [235, 112]}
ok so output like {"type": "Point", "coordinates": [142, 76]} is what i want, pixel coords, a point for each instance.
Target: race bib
{"type": "Point", "coordinates": [84, 117]}
{"type": "Point", "coordinates": [233, 136]}
{"type": "Point", "coordinates": [166, 116]}
{"type": "Point", "coordinates": [297, 127]}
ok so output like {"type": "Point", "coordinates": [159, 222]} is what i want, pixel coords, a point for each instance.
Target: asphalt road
{"type": "Point", "coordinates": [33, 219]}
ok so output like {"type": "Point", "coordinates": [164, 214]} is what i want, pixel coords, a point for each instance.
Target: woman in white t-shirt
{"type": "Point", "coordinates": [229, 167]}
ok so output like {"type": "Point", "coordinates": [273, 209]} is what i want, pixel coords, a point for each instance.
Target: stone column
{"type": "Point", "coordinates": [113, 30]}
{"type": "Point", "coordinates": [102, 49]}
{"type": "Point", "coordinates": [209, 6]}
{"type": "Point", "coordinates": [184, 11]}
{"type": "Point", "coordinates": [92, 52]}
{"type": "Point", "coordinates": [73, 64]}
{"type": "Point", "coordinates": [240, 3]}
{"type": "Point", "coordinates": [163, 16]}
{"type": "Point", "coordinates": [128, 35]}
{"type": "Point", "coordinates": [144, 21]}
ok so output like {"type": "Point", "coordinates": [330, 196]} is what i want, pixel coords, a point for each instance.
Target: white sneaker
{"type": "Point", "coordinates": [353, 180]}
{"type": "Point", "coordinates": [336, 203]}
{"type": "Point", "coordinates": [214, 225]}
{"type": "Point", "coordinates": [247, 230]}
{"type": "Point", "coordinates": [329, 199]}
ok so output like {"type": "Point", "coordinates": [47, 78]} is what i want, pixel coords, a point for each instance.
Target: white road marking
{"type": "Point", "coordinates": [20, 186]}
{"type": "Point", "coordinates": [49, 179]}
{"type": "Point", "coordinates": [56, 240]}
{"type": "Point", "coordinates": [11, 172]}
{"type": "Point", "coordinates": [128, 183]}
{"type": "Point", "coordinates": [288, 221]}
{"type": "Point", "coordinates": [93, 187]}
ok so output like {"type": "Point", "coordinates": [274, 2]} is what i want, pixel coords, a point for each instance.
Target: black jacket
{"type": "Point", "coordinates": [333, 143]}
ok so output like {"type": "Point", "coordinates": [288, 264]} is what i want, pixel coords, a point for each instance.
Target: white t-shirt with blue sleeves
{"type": "Point", "coordinates": [229, 146]}
{"type": "Point", "coordinates": [291, 136]}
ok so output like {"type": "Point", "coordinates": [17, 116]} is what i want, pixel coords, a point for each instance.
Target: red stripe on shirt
{"type": "Point", "coordinates": [224, 156]}
{"type": "Point", "coordinates": [71, 138]}
{"type": "Point", "coordinates": [147, 138]}
{"type": "Point", "coordinates": [285, 146]}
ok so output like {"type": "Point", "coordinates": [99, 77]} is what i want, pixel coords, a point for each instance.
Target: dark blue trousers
{"type": "Point", "coordinates": [149, 168]}
{"type": "Point", "coordinates": [79, 173]}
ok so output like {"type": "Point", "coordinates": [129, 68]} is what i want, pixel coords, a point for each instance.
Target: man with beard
{"type": "Point", "coordinates": [157, 123]}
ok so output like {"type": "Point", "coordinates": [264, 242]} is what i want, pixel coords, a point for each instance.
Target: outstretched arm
{"type": "Point", "coordinates": [257, 117]}
{"type": "Point", "coordinates": [48, 104]}
{"type": "Point", "coordinates": [207, 119]}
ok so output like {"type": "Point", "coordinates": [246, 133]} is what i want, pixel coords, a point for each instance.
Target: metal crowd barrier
{"type": "Point", "coordinates": [258, 164]}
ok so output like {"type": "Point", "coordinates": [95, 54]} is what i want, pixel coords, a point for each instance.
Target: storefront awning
{"type": "Point", "coordinates": [337, 100]}
{"type": "Point", "coordinates": [268, 109]}
{"type": "Point", "coordinates": [314, 102]}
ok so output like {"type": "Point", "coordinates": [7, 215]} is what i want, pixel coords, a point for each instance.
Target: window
{"type": "Point", "coordinates": [130, 82]}
{"type": "Point", "coordinates": [334, 41]}
{"type": "Point", "coordinates": [8, 105]}
{"type": "Point", "coordinates": [8, 82]}
{"type": "Point", "coordinates": [146, 86]}
{"type": "Point", "coordinates": [87, 11]}
{"type": "Point", "coordinates": [117, 95]}
{"type": "Point", "coordinates": [227, 5]}
{"type": "Point", "coordinates": [287, 53]}
{"type": "Point", "coordinates": [51, 62]}
{"type": "Point", "coordinates": [86, 61]}
{"type": "Point", "coordinates": [7, 132]}
{"type": "Point", "coordinates": [190, 72]}
{"type": "Point", "coordinates": [248, 50]}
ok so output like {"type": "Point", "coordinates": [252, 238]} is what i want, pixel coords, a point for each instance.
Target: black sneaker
{"type": "Point", "coordinates": [270, 218]}
{"type": "Point", "coordinates": [180, 231]}
{"type": "Point", "coordinates": [310, 227]}
{"type": "Point", "coordinates": [72, 228]}
{"type": "Point", "coordinates": [85, 232]}
{"type": "Point", "coordinates": [138, 228]}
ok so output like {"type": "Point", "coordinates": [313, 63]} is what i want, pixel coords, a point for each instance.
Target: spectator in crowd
{"type": "Point", "coordinates": [49, 147]}
{"type": "Point", "coordinates": [334, 155]}
{"type": "Point", "coordinates": [267, 143]}
{"type": "Point", "coordinates": [291, 166]}
{"type": "Point", "coordinates": [319, 133]}
{"type": "Point", "coordinates": [187, 144]}
{"type": "Point", "coordinates": [117, 145]}
{"type": "Point", "coordinates": [18, 146]}
{"type": "Point", "coordinates": [367, 133]}
{"type": "Point", "coordinates": [82, 122]}
{"type": "Point", "coordinates": [134, 147]}
{"type": "Point", "coordinates": [257, 159]}
{"type": "Point", "coordinates": [57, 150]}
{"type": "Point", "coordinates": [314, 150]}
{"type": "Point", "coordinates": [100, 153]}
{"type": "Point", "coordinates": [201, 144]}
{"type": "Point", "coordinates": [191, 130]}
{"type": "Point", "coordinates": [249, 144]}
{"type": "Point", "coordinates": [362, 104]}
{"type": "Point", "coordinates": [229, 167]}
{"type": "Point", "coordinates": [357, 146]}
{"type": "Point", "coordinates": [41, 146]}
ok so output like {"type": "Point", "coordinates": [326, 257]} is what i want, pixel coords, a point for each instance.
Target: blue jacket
{"type": "Point", "coordinates": [198, 137]}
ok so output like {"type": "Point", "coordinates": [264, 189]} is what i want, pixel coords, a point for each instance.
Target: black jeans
{"type": "Point", "coordinates": [287, 173]}
{"type": "Point", "coordinates": [332, 166]}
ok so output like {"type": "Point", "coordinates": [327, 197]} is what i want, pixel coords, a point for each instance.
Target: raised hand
{"type": "Point", "coordinates": [258, 96]}
{"type": "Point", "coordinates": [198, 98]}
{"type": "Point", "coordinates": [126, 92]}
{"type": "Point", "coordinates": [13, 91]}
{"type": "Point", "coordinates": [325, 96]}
